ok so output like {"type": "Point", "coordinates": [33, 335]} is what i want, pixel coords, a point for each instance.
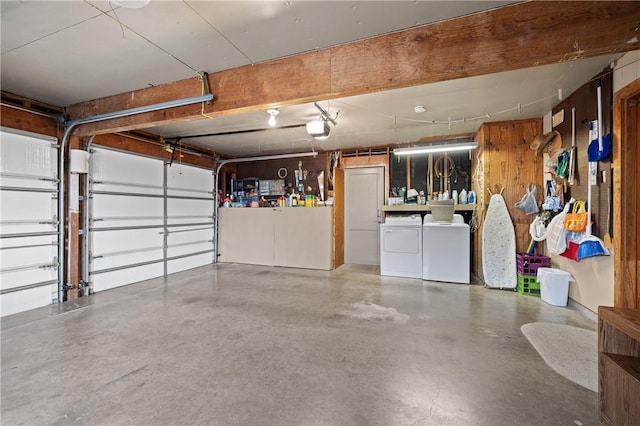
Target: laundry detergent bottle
{"type": "Point", "coordinates": [463, 196]}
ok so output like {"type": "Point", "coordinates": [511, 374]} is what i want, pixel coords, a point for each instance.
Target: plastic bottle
{"type": "Point", "coordinates": [463, 196]}
{"type": "Point", "coordinates": [454, 196]}
{"type": "Point", "coordinates": [472, 197]}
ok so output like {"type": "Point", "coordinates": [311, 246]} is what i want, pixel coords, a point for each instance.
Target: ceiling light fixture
{"type": "Point", "coordinates": [131, 4]}
{"type": "Point", "coordinates": [419, 109]}
{"type": "Point", "coordinates": [444, 147]}
{"type": "Point", "coordinates": [272, 116]}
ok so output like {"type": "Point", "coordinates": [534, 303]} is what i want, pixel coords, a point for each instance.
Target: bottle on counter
{"type": "Point", "coordinates": [472, 197]}
{"type": "Point", "coordinates": [463, 196]}
{"type": "Point", "coordinates": [454, 196]}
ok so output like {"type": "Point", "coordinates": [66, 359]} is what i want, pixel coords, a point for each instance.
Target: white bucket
{"type": "Point", "coordinates": [554, 286]}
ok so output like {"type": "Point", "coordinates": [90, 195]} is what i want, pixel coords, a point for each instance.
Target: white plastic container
{"type": "Point", "coordinates": [554, 286]}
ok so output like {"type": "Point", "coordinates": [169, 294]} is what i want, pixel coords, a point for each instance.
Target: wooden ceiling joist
{"type": "Point", "coordinates": [519, 36]}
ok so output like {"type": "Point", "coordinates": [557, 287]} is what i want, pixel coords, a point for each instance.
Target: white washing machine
{"type": "Point", "coordinates": [401, 246]}
{"type": "Point", "coordinates": [446, 250]}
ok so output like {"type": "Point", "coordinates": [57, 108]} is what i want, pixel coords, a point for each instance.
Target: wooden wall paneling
{"type": "Point", "coordinates": [377, 160]}
{"type": "Point", "coordinates": [636, 230]}
{"type": "Point", "coordinates": [338, 217]}
{"type": "Point", "coordinates": [477, 179]}
{"type": "Point", "coordinates": [510, 163]}
{"type": "Point", "coordinates": [626, 204]}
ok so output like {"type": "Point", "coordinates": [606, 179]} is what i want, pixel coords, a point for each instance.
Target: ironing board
{"type": "Point", "coordinates": [498, 246]}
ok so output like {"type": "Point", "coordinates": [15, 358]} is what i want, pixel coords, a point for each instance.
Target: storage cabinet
{"type": "Point", "coordinates": [246, 189]}
{"type": "Point", "coordinates": [245, 235]}
{"type": "Point", "coordinates": [298, 237]}
{"type": "Point", "coordinates": [307, 247]}
{"type": "Point", "coordinates": [619, 365]}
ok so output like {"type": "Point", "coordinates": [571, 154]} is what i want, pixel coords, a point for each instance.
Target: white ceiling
{"type": "Point", "coordinates": [65, 52]}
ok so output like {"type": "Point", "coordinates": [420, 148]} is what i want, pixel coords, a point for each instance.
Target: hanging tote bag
{"type": "Point", "coordinates": [556, 234]}
{"type": "Point", "coordinates": [576, 221]}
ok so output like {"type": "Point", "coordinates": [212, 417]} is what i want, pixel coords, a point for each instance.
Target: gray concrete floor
{"type": "Point", "coordinates": [246, 345]}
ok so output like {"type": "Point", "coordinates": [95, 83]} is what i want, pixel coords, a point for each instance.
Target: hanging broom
{"type": "Point", "coordinates": [590, 245]}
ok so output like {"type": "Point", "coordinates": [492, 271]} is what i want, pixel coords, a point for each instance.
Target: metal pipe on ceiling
{"type": "Point", "coordinates": [70, 126]}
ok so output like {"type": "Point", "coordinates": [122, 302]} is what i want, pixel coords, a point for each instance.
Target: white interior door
{"type": "Point", "coordinates": [364, 197]}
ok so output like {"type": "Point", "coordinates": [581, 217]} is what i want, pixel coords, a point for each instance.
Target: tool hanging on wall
{"type": "Point", "coordinates": [408, 170]}
{"type": "Point", "coordinates": [599, 149]}
{"type": "Point", "coordinates": [572, 156]}
{"type": "Point", "coordinates": [430, 181]}
{"type": "Point", "coordinates": [443, 167]}
{"type": "Point", "coordinates": [300, 184]}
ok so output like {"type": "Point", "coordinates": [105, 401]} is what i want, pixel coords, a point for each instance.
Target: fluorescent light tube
{"type": "Point", "coordinates": [425, 149]}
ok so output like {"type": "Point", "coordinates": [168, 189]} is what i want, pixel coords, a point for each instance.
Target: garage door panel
{"type": "Point", "coordinates": [178, 207]}
{"type": "Point", "coordinates": [187, 263]}
{"type": "Point", "coordinates": [14, 258]}
{"type": "Point", "coordinates": [188, 179]}
{"type": "Point", "coordinates": [180, 250]}
{"type": "Point", "coordinates": [19, 301]}
{"type": "Point", "coordinates": [28, 154]}
{"type": "Point", "coordinates": [28, 206]}
{"type": "Point", "coordinates": [117, 166]}
{"type": "Point", "coordinates": [126, 259]}
{"type": "Point", "coordinates": [107, 206]}
{"type": "Point", "coordinates": [114, 241]}
{"type": "Point", "coordinates": [122, 277]}
{"type": "Point", "coordinates": [16, 205]}
{"type": "Point", "coordinates": [187, 212]}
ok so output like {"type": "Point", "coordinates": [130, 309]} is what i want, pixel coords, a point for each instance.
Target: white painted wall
{"type": "Point", "coordinates": [627, 70]}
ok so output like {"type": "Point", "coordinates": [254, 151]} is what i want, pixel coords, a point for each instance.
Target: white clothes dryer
{"type": "Point", "coordinates": [446, 250]}
{"type": "Point", "coordinates": [401, 246]}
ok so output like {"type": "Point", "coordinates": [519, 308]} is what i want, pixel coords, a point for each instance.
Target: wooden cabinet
{"type": "Point", "coordinates": [619, 365]}
{"type": "Point", "coordinates": [298, 237]}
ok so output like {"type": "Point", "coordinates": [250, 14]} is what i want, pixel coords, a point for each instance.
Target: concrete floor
{"type": "Point", "coordinates": [247, 345]}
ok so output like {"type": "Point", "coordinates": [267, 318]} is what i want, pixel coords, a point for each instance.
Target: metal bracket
{"type": "Point", "coordinates": [204, 76]}
{"type": "Point", "coordinates": [84, 285]}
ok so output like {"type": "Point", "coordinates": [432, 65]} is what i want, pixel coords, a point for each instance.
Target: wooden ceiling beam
{"type": "Point", "coordinates": [519, 36]}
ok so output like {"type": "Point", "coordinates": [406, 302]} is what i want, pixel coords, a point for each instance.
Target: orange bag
{"type": "Point", "coordinates": [577, 219]}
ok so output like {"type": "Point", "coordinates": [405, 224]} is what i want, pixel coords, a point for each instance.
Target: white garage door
{"type": "Point", "coordinates": [28, 221]}
{"type": "Point", "coordinates": [189, 217]}
{"type": "Point", "coordinates": [147, 219]}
